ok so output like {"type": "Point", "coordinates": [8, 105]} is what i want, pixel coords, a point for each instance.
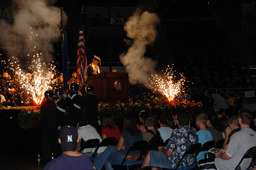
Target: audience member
{"type": "Point", "coordinates": [143, 115]}
{"type": "Point", "coordinates": [216, 134]}
{"type": "Point", "coordinates": [109, 128]}
{"type": "Point", "coordinates": [180, 139]}
{"type": "Point", "coordinates": [253, 123]}
{"type": "Point", "coordinates": [207, 99]}
{"type": "Point", "coordinates": [238, 102]}
{"type": "Point", "coordinates": [233, 127]}
{"type": "Point", "coordinates": [86, 132]}
{"type": "Point", "coordinates": [221, 113]}
{"type": "Point", "coordinates": [115, 154]}
{"type": "Point", "coordinates": [204, 135]}
{"type": "Point", "coordinates": [221, 124]}
{"type": "Point", "coordinates": [70, 158]}
{"type": "Point", "coordinates": [239, 143]}
{"type": "Point", "coordinates": [151, 131]}
{"type": "Point", "coordinates": [217, 71]}
{"type": "Point", "coordinates": [165, 132]}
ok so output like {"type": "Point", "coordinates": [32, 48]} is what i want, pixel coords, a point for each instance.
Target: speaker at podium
{"type": "Point", "coordinates": [110, 86]}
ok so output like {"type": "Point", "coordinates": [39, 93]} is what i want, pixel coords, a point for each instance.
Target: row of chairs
{"type": "Point", "coordinates": [143, 147]}
{"type": "Point", "coordinates": [95, 143]}
{"type": "Point", "coordinates": [137, 146]}
{"type": "Point", "coordinates": [196, 148]}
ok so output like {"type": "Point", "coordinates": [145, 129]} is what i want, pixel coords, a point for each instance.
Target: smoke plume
{"type": "Point", "coordinates": [36, 25]}
{"type": "Point", "coordinates": [141, 28]}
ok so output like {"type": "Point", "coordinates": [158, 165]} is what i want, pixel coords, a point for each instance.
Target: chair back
{"type": "Point", "coordinates": [166, 142]}
{"type": "Point", "coordinates": [105, 142]}
{"type": "Point", "coordinates": [193, 149]}
{"type": "Point", "coordinates": [153, 144]}
{"type": "Point", "coordinates": [136, 146]}
{"type": "Point", "coordinates": [219, 144]}
{"type": "Point", "coordinates": [207, 145]}
{"type": "Point", "coordinates": [91, 143]}
{"type": "Point", "coordinates": [251, 153]}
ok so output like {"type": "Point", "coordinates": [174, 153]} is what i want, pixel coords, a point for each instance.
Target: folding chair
{"type": "Point", "coordinates": [219, 144]}
{"type": "Point", "coordinates": [251, 153]}
{"type": "Point", "coordinates": [207, 146]}
{"type": "Point", "coordinates": [154, 144]}
{"type": "Point", "coordinates": [105, 142]}
{"type": "Point", "coordinates": [166, 142]}
{"type": "Point", "coordinates": [193, 149]}
{"type": "Point", "coordinates": [91, 143]}
{"type": "Point", "coordinates": [140, 146]}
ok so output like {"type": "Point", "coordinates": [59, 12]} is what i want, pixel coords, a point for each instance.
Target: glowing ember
{"type": "Point", "coordinates": [166, 84]}
{"type": "Point", "coordinates": [36, 82]}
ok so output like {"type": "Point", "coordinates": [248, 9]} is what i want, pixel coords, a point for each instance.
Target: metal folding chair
{"type": "Point", "coordinates": [193, 149]}
{"type": "Point", "coordinates": [251, 153]}
{"type": "Point", "coordinates": [140, 146]}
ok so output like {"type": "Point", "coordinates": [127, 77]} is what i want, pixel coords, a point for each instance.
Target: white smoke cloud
{"type": "Point", "coordinates": [35, 23]}
{"type": "Point", "coordinates": [141, 27]}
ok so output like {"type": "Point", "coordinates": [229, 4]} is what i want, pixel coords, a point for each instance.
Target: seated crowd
{"type": "Point", "coordinates": [236, 134]}
{"type": "Point", "coordinates": [214, 70]}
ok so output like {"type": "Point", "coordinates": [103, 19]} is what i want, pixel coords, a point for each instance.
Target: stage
{"type": "Point", "coordinates": [16, 139]}
{"type": "Point", "coordinates": [19, 108]}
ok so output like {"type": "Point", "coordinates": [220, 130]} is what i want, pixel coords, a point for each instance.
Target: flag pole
{"type": "Point", "coordinates": [81, 53]}
{"type": "Point", "coordinates": [64, 52]}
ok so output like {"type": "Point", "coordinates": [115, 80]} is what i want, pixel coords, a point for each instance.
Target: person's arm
{"type": "Point", "coordinates": [104, 133]}
{"type": "Point", "coordinates": [166, 152]}
{"type": "Point", "coordinates": [222, 155]}
{"type": "Point", "coordinates": [78, 146]}
{"type": "Point", "coordinates": [104, 136]}
{"type": "Point", "coordinates": [227, 133]}
{"type": "Point", "coordinates": [120, 144]}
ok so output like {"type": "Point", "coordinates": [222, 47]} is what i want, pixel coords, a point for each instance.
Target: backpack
{"type": "Point", "coordinates": [155, 141]}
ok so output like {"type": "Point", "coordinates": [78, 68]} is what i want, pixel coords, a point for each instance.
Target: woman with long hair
{"type": "Point", "coordinates": [109, 128]}
{"type": "Point", "coordinates": [115, 154]}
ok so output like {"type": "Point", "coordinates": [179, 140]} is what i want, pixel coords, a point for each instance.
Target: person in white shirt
{"type": "Point", "coordinates": [86, 132]}
{"type": "Point", "coordinates": [164, 130]}
{"type": "Point", "coordinates": [239, 143]}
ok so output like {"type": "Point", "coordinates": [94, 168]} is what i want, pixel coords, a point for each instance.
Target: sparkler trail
{"type": "Point", "coordinates": [166, 84]}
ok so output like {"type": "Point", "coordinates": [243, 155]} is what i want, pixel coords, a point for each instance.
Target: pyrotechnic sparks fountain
{"type": "Point", "coordinates": [167, 84]}
{"type": "Point", "coordinates": [38, 75]}
{"type": "Point", "coordinates": [30, 35]}
{"type": "Point", "coordinates": [36, 81]}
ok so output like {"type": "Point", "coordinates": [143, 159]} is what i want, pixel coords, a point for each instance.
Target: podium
{"type": "Point", "coordinates": [110, 86]}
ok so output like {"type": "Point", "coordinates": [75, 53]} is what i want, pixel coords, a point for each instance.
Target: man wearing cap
{"type": "Point", "coordinates": [93, 68]}
{"type": "Point", "coordinates": [70, 158]}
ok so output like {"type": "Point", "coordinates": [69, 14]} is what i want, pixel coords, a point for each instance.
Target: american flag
{"type": "Point", "coordinates": [81, 59]}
